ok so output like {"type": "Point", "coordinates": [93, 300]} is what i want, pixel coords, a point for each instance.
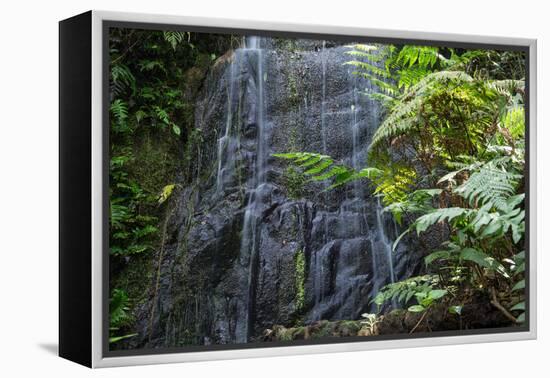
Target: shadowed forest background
{"type": "Point", "coordinates": [276, 189]}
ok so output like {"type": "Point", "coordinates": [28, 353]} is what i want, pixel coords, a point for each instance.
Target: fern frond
{"type": "Point", "coordinates": [368, 67]}
{"type": "Point", "coordinates": [424, 56]}
{"type": "Point", "coordinates": [439, 215]}
{"type": "Point", "coordinates": [363, 47]}
{"type": "Point", "coordinates": [317, 165]}
{"type": "Point", "coordinates": [174, 38]}
{"type": "Point", "coordinates": [322, 167]}
{"type": "Point", "coordinates": [507, 86]}
{"type": "Point", "coordinates": [119, 109]}
{"type": "Point", "coordinates": [121, 79]}
{"type": "Point", "coordinates": [489, 186]}
{"type": "Point", "coordinates": [403, 116]}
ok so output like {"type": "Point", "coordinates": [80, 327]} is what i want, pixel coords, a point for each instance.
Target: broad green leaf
{"type": "Point", "coordinates": [521, 318]}
{"type": "Point", "coordinates": [455, 310]}
{"type": "Point", "coordinates": [480, 258]}
{"type": "Point", "coordinates": [519, 286]}
{"type": "Point", "coordinates": [176, 130]}
{"type": "Point", "coordinates": [437, 255]}
{"type": "Point", "coordinates": [438, 293]}
{"type": "Point", "coordinates": [416, 308]}
{"type": "Point", "coordinates": [379, 299]}
{"type": "Point", "coordinates": [519, 269]}
{"type": "Point", "coordinates": [518, 306]}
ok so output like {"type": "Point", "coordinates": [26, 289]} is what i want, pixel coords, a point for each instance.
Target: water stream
{"type": "Point", "coordinates": [251, 222]}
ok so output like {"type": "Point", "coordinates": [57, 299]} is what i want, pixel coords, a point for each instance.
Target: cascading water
{"type": "Point", "coordinates": [323, 96]}
{"type": "Point", "coordinates": [386, 246]}
{"type": "Point", "coordinates": [344, 265]}
{"type": "Point", "coordinates": [250, 231]}
{"type": "Point", "coordinates": [318, 263]}
{"type": "Point", "coordinates": [225, 159]}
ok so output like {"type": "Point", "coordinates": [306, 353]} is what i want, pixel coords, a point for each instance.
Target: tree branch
{"type": "Point", "coordinates": [497, 304]}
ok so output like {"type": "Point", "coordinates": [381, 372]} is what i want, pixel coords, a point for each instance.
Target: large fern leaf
{"type": "Point", "coordinates": [322, 167]}
{"type": "Point", "coordinates": [489, 186]}
{"type": "Point", "coordinates": [403, 116]}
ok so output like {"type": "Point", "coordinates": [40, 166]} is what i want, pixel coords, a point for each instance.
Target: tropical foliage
{"type": "Point", "coordinates": [118, 316]}
{"type": "Point", "coordinates": [153, 76]}
{"type": "Point", "coordinates": [448, 154]}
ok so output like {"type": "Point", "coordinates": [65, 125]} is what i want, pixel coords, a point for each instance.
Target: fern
{"type": "Point", "coordinates": [490, 191]}
{"type": "Point", "coordinates": [404, 116]}
{"type": "Point", "coordinates": [321, 167]}
{"type": "Point", "coordinates": [118, 315]}
{"type": "Point", "coordinates": [121, 79]}
{"type": "Point", "coordinates": [489, 186]}
{"type": "Point", "coordinates": [507, 87]}
{"type": "Point", "coordinates": [118, 307]}
{"type": "Point", "coordinates": [174, 38]}
{"type": "Point", "coordinates": [423, 56]}
{"type": "Point", "coordinates": [119, 110]}
{"type": "Point", "coordinates": [423, 289]}
{"type": "Point", "coordinates": [392, 182]}
{"type": "Point", "coordinates": [417, 202]}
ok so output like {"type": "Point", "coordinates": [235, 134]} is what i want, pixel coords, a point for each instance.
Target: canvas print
{"type": "Point", "coordinates": [279, 189]}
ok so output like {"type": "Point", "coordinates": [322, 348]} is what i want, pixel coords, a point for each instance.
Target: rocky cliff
{"type": "Point", "coordinates": [249, 243]}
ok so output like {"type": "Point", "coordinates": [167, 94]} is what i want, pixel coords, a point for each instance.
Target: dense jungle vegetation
{"type": "Point", "coordinates": [448, 156]}
{"type": "Point", "coordinates": [449, 153]}
{"type": "Point", "coordinates": [153, 77]}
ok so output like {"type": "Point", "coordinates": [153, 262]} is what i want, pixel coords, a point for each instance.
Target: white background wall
{"type": "Point", "coordinates": [28, 188]}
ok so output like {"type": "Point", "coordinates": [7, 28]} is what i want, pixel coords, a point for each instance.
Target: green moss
{"type": "Point", "coordinates": [286, 44]}
{"type": "Point", "coordinates": [323, 329]}
{"type": "Point", "coordinates": [349, 327]}
{"type": "Point", "coordinates": [294, 98]}
{"type": "Point", "coordinates": [294, 182]}
{"type": "Point", "coordinates": [135, 278]}
{"type": "Point", "coordinates": [300, 267]}
{"type": "Point", "coordinates": [154, 164]}
{"type": "Point", "coordinates": [285, 334]}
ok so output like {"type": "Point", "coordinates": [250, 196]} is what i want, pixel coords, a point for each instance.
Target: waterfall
{"type": "Point", "coordinates": [323, 95]}
{"type": "Point", "coordinates": [355, 151]}
{"type": "Point", "coordinates": [243, 228]}
{"type": "Point", "coordinates": [383, 264]}
{"type": "Point", "coordinates": [225, 159]}
{"type": "Point", "coordinates": [251, 223]}
{"type": "Point", "coordinates": [386, 242]}
{"type": "Point", "coordinates": [318, 265]}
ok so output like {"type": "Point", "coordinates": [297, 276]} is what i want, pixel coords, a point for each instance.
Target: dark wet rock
{"type": "Point", "coordinates": [230, 267]}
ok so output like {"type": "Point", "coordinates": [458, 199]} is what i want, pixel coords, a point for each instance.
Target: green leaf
{"type": "Point", "coordinates": [379, 299]}
{"type": "Point", "coordinates": [334, 171]}
{"type": "Point", "coordinates": [438, 215]}
{"type": "Point", "coordinates": [319, 167]}
{"type": "Point", "coordinates": [455, 310]}
{"type": "Point", "coordinates": [519, 269]}
{"type": "Point", "coordinates": [518, 306]}
{"type": "Point", "coordinates": [437, 255]}
{"type": "Point", "coordinates": [396, 242]}
{"type": "Point", "coordinates": [480, 258]}
{"type": "Point", "coordinates": [165, 193]}
{"type": "Point", "coordinates": [416, 308]}
{"type": "Point", "coordinates": [118, 338]}
{"type": "Point", "coordinates": [438, 293]}
{"type": "Point", "coordinates": [519, 286]}
{"type": "Point", "coordinates": [176, 130]}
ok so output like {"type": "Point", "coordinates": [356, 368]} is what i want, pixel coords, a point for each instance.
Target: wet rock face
{"type": "Point", "coordinates": [240, 255]}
